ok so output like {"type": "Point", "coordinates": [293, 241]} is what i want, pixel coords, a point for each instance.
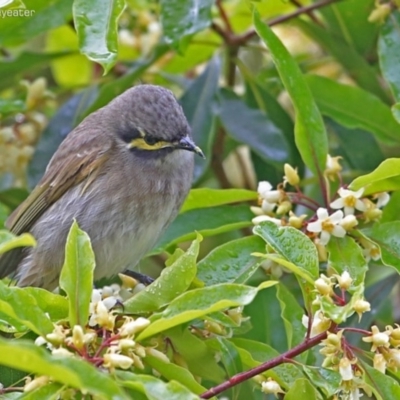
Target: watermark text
{"type": "Point", "coordinates": [16, 13]}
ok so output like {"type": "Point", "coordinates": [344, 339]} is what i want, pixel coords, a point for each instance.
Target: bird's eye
{"type": "Point", "coordinates": [151, 141]}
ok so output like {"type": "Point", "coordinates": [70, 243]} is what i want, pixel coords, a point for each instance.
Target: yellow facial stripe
{"type": "Point", "coordinates": [141, 144]}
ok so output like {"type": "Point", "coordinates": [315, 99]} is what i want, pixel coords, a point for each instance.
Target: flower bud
{"type": "Point", "coordinates": [78, 337]}
{"type": "Point", "coordinates": [126, 344]}
{"type": "Point", "coordinates": [157, 354]}
{"type": "Point", "coordinates": [284, 207]}
{"type": "Point", "coordinates": [117, 361]}
{"type": "Point", "coordinates": [344, 280]}
{"type": "Point", "coordinates": [379, 14]}
{"type": "Point", "coordinates": [36, 383]}
{"type": "Point", "coordinates": [323, 287]}
{"type": "Point", "coordinates": [349, 222]}
{"type": "Point", "coordinates": [295, 221]}
{"type": "Point", "coordinates": [61, 351]}
{"type": "Point", "coordinates": [361, 306]}
{"type": "Point", "coordinates": [333, 167]}
{"type": "Point", "coordinates": [291, 175]}
{"type": "Point", "coordinates": [133, 326]}
{"type": "Point", "coordinates": [271, 386]}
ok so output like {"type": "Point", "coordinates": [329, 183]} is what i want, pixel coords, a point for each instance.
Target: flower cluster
{"type": "Point", "coordinates": [341, 215]}
{"type": "Point", "coordinates": [17, 139]}
{"type": "Point", "coordinates": [108, 341]}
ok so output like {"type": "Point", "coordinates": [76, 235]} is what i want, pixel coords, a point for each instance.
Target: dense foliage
{"type": "Point", "coordinates": [280, 274]}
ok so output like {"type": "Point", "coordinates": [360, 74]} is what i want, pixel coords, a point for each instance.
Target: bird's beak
{"type": "Point", "coordinates": [186, 143]}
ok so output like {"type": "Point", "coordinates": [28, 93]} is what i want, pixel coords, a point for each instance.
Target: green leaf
{"type": "Point", "coordinates": [154, 388]}
{"type": "Point", "coordinates": [8, 106]}
{"type": "Point", "coordinates": [13, 197]}
{"type": "Point", "coordinates": [9, 376]}
{"type": "Point", "coordinates": [8, 241]}
{"type": "Point", "coordinates": [173, 281]}
{"type": "Point", "coordinates": [181, 18]}
{"type": "Point", "coordinates": [391, 211]}
{"type": "Point", "coordinates": [206, 197]}
{"type": "Point", "coordinates": [198, 356]}
{"type": "Point", "coordinates": [346, 255]}
{"type": "Point", "coordinates": [17, 304]}
{"type": "Point", "coordinates": [383, 179]}
{"type": "Point", "coordinates": [310, 134]}
{"type": "Point", "coordinates": [349, 21]}
{"type": "Point", "coordinates": [38, 16]}
{"type": "Point", "coordinates": [50, 391]}
{"type": "Point", "coordinates": [292, 314]}
{"type": "Point", "coordinates": [76, 277]}
{"type": "Point", "coordinates": [342, 103]}
{"type": "Point", "coordinates": [252, 127]}
{"type": "Point", "coordinates": [13, 68]}
{"type": "Point", "coordinates": [387, 237]}
{"type": "Point", "coordinates": [257, 96]}
{"type": "Point", "coordinates": [303, 254]}
{"type": "Point", "coordinates": [304, 387]}
{"type": "Point", "coordinates": [200, 302]}
{"type": "Point", "coordinates": [368, 155]}
{"type": "Point", "coordinates": [389, 42]}
{"type": "Point", "coordinates": [254, 353]}
{"type": "Point", "coordinates": [231, 262]}
{"type": "Point", "coordinates": [383, 386]}
{"type": "Point", "coordinates": [54, 305]}
{"type": "Point", "coordinates": [356, 65]}
{"type": "Point", "coordinates": [325, 379]}
{"type": "Point", "coordinates": [207, 221]}
{"type": "Point", "coordinates": [96, 22]}
{"type": "Point", "coordinates": [198, 103]}
{"type": "Point", "coordinates": [26, 356]}
{"type": "Point", "coordinates": [174, 372]}
{"type": "Point", "coordinates": [71, 71]}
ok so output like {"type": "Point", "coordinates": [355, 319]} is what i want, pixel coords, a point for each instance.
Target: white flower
{"type": "Point", "coordinates": [319, 324]}
{"type": "Point", "coordinates": [383, 198]}
{"type": "Point", "coordinates": [349, 200]}
{"type": "Point", "coordinates": [345, 369]}
{"type": "Point", "coordinates": [263, 188]}
{"type": "Point", "coordinates": [327, 224]}
{"type": "Point", "coordinates": [269, 197]}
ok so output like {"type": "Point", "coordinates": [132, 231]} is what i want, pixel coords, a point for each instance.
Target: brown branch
{"type": "Point", "coordinates": [224, 16]}
{"type": "Point", "coordinates": [309, 13]}
{"type": "Point", "coordinates": [240, 40]}
{"type": "Point", "coordinates": [216, 159]}
{"type": "Point", "coordinates": [243, 376]}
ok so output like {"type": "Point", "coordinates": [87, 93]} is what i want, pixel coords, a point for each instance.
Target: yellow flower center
{"type": "Point", "coordinates": [327, 225]}
{"type": "Point", "coordinates": [350, 201]}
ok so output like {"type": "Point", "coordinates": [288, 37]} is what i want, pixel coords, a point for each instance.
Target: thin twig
{"type": "Point", "coordinates": [243, 376]}
{"type": "Point", "coordinates": [224, 16]}
{"type": "Point", "coordinates": [309, 13]}
{"type": "Point", "coordinates": [216, 159]}
{"type": "Point", "coordinates": [240, 40]}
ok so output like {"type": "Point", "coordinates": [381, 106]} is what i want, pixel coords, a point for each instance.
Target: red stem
{"type": "Point", "coordinates": [243, 376]}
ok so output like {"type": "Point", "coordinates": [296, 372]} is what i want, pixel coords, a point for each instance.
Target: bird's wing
{"type": "Point", "coordinates": [67, 168]}
{"type": "Point", "coordinates": [67, 173]}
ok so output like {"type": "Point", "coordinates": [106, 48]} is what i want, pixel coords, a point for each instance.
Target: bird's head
{"type": "Point", "coordinates": [151, 122]}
